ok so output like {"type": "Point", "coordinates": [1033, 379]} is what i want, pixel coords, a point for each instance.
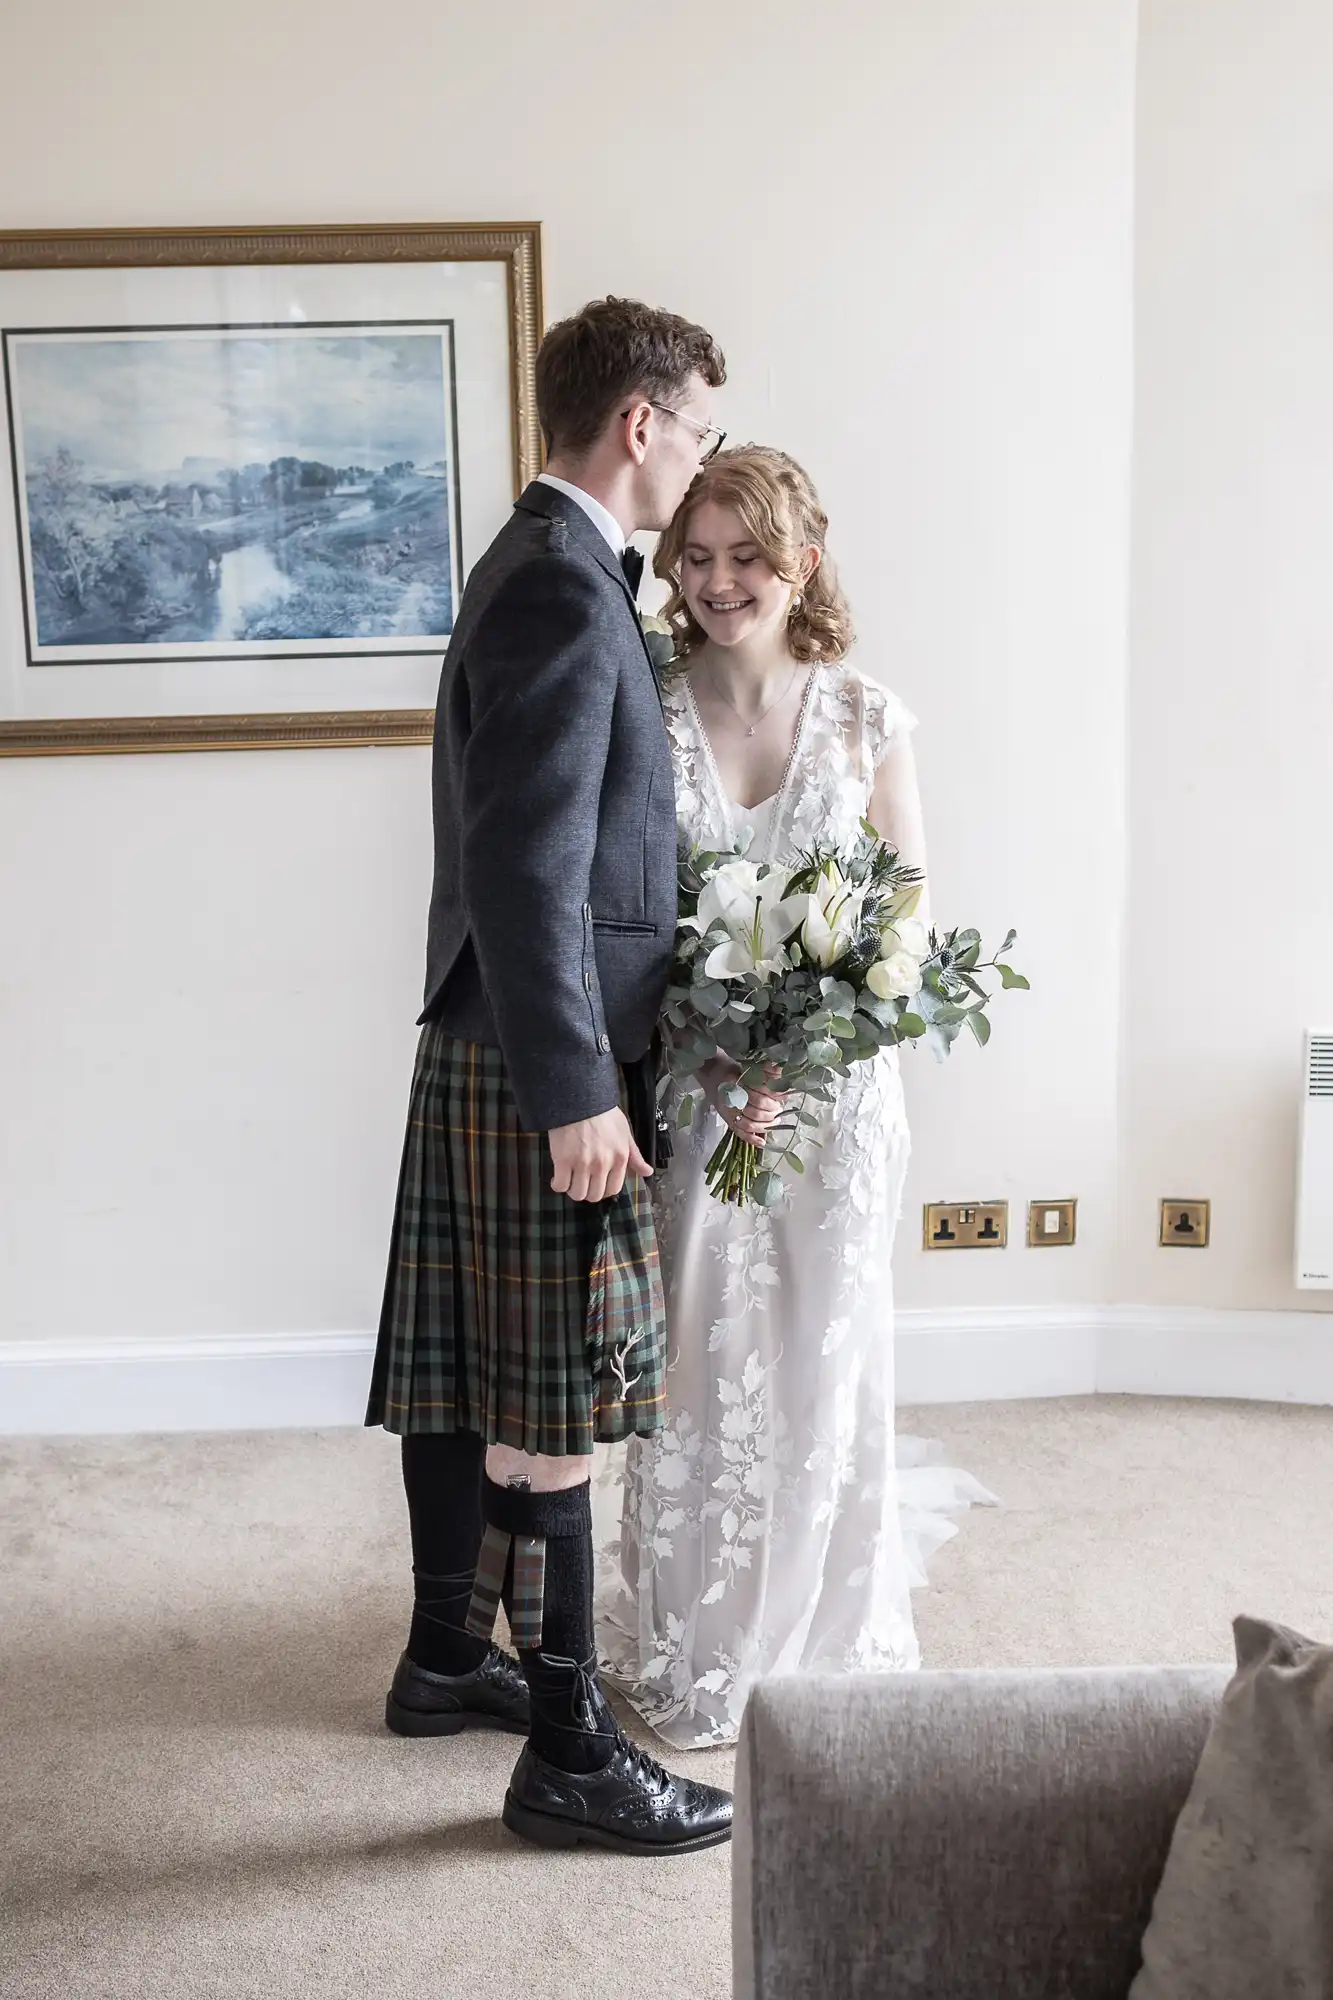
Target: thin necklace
{"type": "Point", "coordinates": [750, 727]}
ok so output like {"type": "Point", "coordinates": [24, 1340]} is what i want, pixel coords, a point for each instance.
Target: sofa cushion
{"type": "Point", "coordinates": [1245, 1905]}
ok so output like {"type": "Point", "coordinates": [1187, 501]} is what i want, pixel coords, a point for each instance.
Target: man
{"type": "Point", "coordinates": [523, 1314]}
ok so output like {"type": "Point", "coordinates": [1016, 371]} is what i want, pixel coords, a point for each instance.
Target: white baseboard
{"type": "Point", "coordinates": [252, 1382]}
{"type": "Point", "coordinates": [995, 1355]}
{"type": "Point", "coordinates": [304, 1380]}
{"type": "Point", "coordinates": [1266, 1357]}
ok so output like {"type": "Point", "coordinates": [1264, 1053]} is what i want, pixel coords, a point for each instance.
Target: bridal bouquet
{"type": "Point", "coordinates": [797, 974]}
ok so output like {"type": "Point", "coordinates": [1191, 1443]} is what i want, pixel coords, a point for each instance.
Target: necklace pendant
{"type": "Point", "coordinates": [750, 730]}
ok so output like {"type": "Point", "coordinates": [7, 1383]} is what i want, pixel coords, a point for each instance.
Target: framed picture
{"type": "Point", "coordinates": [246, 473]}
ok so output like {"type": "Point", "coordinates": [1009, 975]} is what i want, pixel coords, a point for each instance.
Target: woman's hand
{"type": "Point", "coordinates": [755, 1120]}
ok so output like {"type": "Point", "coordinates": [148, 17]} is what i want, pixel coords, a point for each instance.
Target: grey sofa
{"type": "Point", "coordinates": [959, 1836]}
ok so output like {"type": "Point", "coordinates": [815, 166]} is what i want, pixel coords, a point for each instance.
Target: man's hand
{"type": "Point", "coordinates": [592, 1158]}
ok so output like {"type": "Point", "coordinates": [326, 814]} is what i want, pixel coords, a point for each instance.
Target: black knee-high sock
{"type": "Point", "coordinates": [442, 1479]}
{"type": "Point", "coordinates": [571, 1726]}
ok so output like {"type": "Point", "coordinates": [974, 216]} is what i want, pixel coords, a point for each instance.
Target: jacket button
{"type": "Point", "coordinates": [587, 913]}
{"type": "Point", "coordinates": [604, 1044]}
{"type": "Point", "coordinates": [587, 982]}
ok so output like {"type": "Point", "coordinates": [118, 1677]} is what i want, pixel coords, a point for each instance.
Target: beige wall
{"type": "Point", "coordinates": [1230, 933]}
{"type": "Point", "coordinates": [911, 228]}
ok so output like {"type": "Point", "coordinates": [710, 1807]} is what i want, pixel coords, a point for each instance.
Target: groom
{"type": "Point", "coordinates": [523, 1315]}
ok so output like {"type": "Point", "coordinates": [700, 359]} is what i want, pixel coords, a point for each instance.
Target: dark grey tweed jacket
{"type": "Point", "coordinates": [554, 904]}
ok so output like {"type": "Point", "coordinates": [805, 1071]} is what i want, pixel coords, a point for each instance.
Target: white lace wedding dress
{"type": "Point", "coordinates": [768, 1528]}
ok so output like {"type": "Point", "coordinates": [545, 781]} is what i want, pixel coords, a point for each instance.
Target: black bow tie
{"type": "Point", "coordinates": [632, 564]}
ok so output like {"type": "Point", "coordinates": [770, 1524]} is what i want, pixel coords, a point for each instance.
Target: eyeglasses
{"type": "Point", "coordinates": [704, 432]}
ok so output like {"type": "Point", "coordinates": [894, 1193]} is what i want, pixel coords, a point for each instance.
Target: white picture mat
{"type": "Point", "coordinates": [474, 296]}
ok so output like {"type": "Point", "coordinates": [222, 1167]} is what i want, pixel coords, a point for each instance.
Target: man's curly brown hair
{"type": "Point", "coordinates": [612, 349]}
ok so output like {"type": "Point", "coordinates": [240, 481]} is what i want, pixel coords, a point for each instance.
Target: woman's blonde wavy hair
{"type": "Point", "coordinates": [777, 501]}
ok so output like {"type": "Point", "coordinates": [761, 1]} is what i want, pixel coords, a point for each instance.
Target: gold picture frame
{"type": "Point", "coordinates": [515, 246]}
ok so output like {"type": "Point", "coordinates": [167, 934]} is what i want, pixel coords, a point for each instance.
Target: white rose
{"type": "Point", "coordinates": [896, 977]}
{"type": "Point", "coordinates": [907, 934]}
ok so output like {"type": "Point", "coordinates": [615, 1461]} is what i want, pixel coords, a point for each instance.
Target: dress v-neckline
{"type": "Point", "coordinates": [777, 799]}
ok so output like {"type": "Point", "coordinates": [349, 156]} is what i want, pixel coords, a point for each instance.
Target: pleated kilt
{"type": "Point", "coordinates": [509, 1310]}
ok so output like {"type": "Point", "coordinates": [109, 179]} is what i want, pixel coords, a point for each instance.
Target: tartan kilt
{"type": "Point", "coordinates": [511, 1311]}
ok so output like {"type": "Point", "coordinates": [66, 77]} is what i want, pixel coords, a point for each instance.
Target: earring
{"type": "Point", "coordinates": [796, 604]}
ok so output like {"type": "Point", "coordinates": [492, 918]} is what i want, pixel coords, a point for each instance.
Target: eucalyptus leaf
{"type": "Point", "coordinates": [885, 1013]}
{"type": "Point", "coordinates": [980, 1026]}
{"type": "Point", "coordinates": [1012, 981]}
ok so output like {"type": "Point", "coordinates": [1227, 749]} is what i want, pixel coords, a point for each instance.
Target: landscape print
{"type": "Point", "coordinates": [233, 492]}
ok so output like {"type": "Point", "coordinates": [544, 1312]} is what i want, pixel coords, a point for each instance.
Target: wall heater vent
{"type": "Point", "coordinates": [1314, 1189]}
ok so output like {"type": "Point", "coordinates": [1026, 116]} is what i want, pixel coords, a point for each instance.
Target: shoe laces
{"type": "Point", "coordinates": [641, 1764]}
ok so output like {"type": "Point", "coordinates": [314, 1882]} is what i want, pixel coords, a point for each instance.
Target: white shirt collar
{"type": "Point", "coordinates": [605, 522]}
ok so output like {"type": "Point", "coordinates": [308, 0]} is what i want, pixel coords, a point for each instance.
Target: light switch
{"type": "Point", "coordinates": [1051, 1224]}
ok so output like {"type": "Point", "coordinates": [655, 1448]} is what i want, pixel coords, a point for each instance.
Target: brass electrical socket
{"type": "Point", "coordinates": [1184, 1225]}
{"type": "Point", "coordinates": [970, 1225]}
{"type": "Point", "coordinates": [1051, 1223]}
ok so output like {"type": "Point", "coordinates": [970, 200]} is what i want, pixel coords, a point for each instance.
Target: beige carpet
{"type": "Point", "coordinates": [198, 1797]}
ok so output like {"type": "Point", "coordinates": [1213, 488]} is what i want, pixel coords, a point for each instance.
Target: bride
{"type": "Point", "coordinates": [768, 1529]}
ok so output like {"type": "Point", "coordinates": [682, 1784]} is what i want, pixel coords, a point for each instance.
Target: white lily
{"type": "Point", "coordinates": [756, 916]}
{"type": "Point", "coordinates": [903, 901]}
{"type": "Point", "coordinates": [730, 892]}
{"type": "Point", "coordinates": [832, 915]}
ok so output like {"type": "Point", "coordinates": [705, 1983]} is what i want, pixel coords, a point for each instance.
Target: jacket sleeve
{"type": "Point", "coordinates": [541, 690]}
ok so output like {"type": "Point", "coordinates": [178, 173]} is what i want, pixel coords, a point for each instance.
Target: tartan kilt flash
{"type": "Point", "coordinates": [509, 1310]}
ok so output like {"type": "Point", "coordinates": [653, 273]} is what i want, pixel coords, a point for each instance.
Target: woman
{"type": "Point", "coordinates": [767, 1530]}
